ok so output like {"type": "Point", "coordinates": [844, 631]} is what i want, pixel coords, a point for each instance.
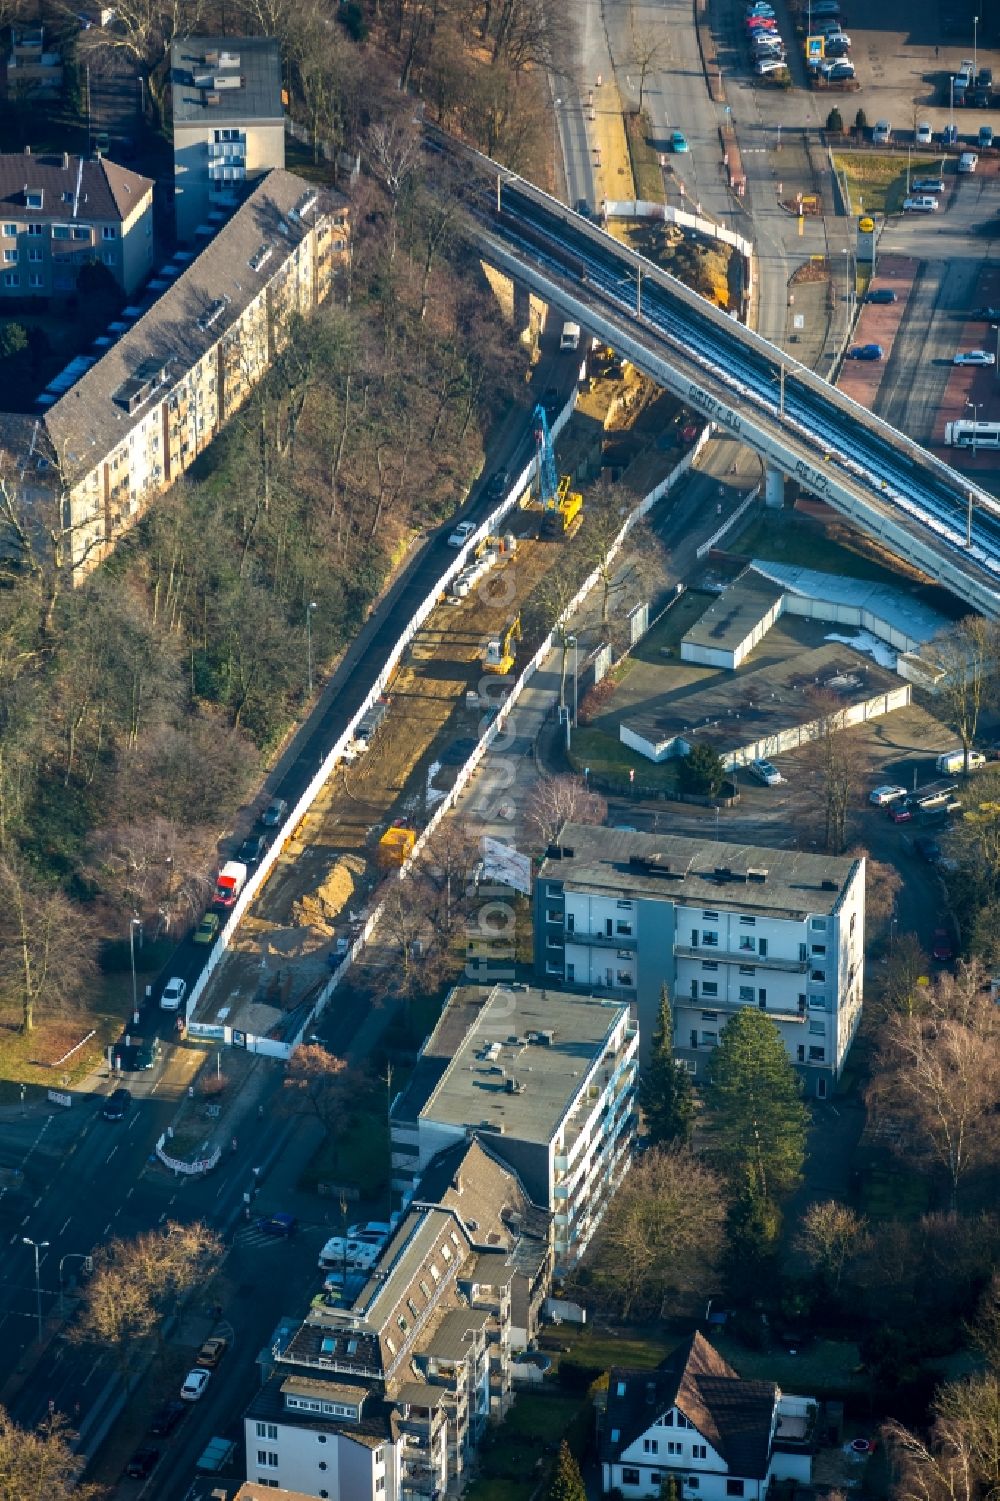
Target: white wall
{"type": "Point", "coordinates": [350, 1472]}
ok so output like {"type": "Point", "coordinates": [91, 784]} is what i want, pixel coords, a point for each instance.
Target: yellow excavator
{"type": "Point", "coordinates": [499, 654]}
{"type": "Point", "coordinates": [563, 514]}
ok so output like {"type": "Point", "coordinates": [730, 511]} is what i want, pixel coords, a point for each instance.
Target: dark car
{"type": "Point", "coordinates": [253, 849]}
{"type": "Point", "coordinates": [928, 849]}
{"type": "Point", "coordinates": [984, 79]}
{"type": "Point", "coordinates": [166, 1418]}
{"type": "Point", "coordinates": [583, 207]}
{"type": "Point", "coordinates": [137, 1055]}
{"type": "Point", "coordinates": [881, 294]}
{"type": "Point", "coordinates": [987, 312]}
{"type": "Point", "coordinates": [499, 485]}
{"type": "Point", "coordinates": [942, 948]}
{"type": "Point", "coordinates": [274, 813]}
{"type": "Point", "coordinates": [900, 813]}
{"type": "Point", "coordinates": [116, 1106]}
{"type": "Point", "coordinates": [866, 352]}
{"type": "Point", "coordinates": [279, 1225]}
{"type": "Point", "coordinates": [142, 1463]}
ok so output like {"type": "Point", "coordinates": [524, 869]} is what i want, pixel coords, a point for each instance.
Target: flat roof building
{"type": "Point", "coordinates": [547, 1079]}
{"type": "Point", "coordinates": [228, 121]}
{"type": "Point", "coordinates": [722, 925]}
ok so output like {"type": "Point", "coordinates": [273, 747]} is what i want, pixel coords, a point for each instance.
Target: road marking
{"type": "Point", "coordinates": [106, 1228]}
{"type": "Point", "coordinates": [93, 1370]}
{"type": "Point", "coordinates": [63, 1230]}
{"type": "Point", "coordinates": [110, 1154]}
{"type": "Point", "coordinates": [130, 1192]}
{"type": "Point", "coordinates": [37, 1202]}
{"type": "Point", "coordinates": [13, 1238]}
{"type": "Point", "coordinates": [27, 1217]}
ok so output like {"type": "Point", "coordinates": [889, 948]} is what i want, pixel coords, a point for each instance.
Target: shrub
{"type": "Point", "coordinates": [835, 122]}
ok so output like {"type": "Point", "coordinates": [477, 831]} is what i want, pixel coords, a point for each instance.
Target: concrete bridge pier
{"type": "Point", "coordinates": [774, 488]}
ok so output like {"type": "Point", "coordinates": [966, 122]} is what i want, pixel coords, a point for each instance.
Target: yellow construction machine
{"type": "Point", "coordinates": [498, 654]}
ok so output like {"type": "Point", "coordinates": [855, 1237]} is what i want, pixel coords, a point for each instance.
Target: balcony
{"type": "Point", "coordinates": [722, 1003]}
{"type": "Point", "coordinates": [741, 956]}
{"type": "Point", "coordinates": [603, 940]}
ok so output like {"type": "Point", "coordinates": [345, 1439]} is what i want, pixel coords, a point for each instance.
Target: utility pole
{"type": "Point", "coordinates": [37, 1245]}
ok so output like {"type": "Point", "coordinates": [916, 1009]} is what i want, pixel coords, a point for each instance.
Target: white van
{"type": "Point", "coordinates": [570, 336]}
{"type": "Point", "coordinates": [954, 760]}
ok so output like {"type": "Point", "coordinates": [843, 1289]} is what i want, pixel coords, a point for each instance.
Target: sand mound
{"type": "Point", "coordinates": [320, 908]}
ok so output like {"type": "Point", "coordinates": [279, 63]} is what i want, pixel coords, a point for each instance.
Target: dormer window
{"type": "Point", "coordinates": [34, 197]}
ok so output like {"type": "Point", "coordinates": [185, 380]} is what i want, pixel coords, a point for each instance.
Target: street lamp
{"type": "Point", "coordinates": [309, 644]}
{"type": "Point", "coordinates": [37, 1245]}
{"type": "Point", "coordinates": [88, 1262]}
{"type": "Point", "coordinates": [975, 46]}
{"type": "Point", "coordinates": [134, 923]}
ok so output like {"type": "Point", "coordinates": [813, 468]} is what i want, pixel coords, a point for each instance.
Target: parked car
{"type": "Point", "coordinates": [166, 1418]}
{"type": "Point", "coordinates": [888, 793]}
{"type": "Point", "coordinates": [949, 135]}
{"type": "Point", "coordinates": [924, 134]}
{"type": "Point", "coordinates": [825, 8]}
{"type": "Point", "coordinates": [253, 849]}
{"type": "Point", "coordinates": [212, 1352]}
{"type": "Point", "coordinates": [900, 812]}
{"type": "Point", "coordinates": [866, 352]}
{"type": "Point", "coordinates": [922, 203]}
{"type": "Point", "coordinates": [117, 1105]}
{"type": "Point", "coordinates": [837, 47]}
{"type": "Point", "coordinates": [950, 762]}
{"type": "Point", "coordinates": [678, 142]}
{"type": "Point", "coordinates": [195, 1384]}
{"type": "Point", "coordinates": [984, 79]}
{"type": "Point", "coordinates": [279, 1225]}
{"type": "Point", "coordinates": [975, 357]}
{"type": "Point", "coordinates": [102, 143]}
{"type": "Point", "coordinates": [766, 773]}
{"type": "Point", "coordinates": [142, 1464]}
{"type": "Point", "coordinates": [208, 928]}
{"type": "Point", "coordinates": [968, 162]}
{"type": "Point", "coordinates": [882, 132]}
{"type": "Point", "coordinates": [461, 534]}
{"type": "Point", "coordinates": [880, 295]}
{"type": "Point", "coordinates": [837, 72]}
{"type": "Point", "coordinates": [928, 849]}
{"type": "Point", "coordinates": [274, 814]}
{"type": "Point", "coordinates": [985, 137]}
{"type": "Point", "coordinates": [173, 994]}
{"type": "Point", "coordinates": [927, 185]}
{"type": "Point", "coordinates": [765, 65]}
{"type": "Point", "coordinates": [942, 948]}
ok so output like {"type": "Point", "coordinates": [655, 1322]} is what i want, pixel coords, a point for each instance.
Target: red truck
{"type": "Point", "coordinates": [230, 882]}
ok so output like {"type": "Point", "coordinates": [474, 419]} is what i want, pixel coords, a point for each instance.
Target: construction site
{"type": "Point", "coordinates": [408, 748]}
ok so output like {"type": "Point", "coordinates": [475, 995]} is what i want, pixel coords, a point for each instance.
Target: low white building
{"type": "Point", "coordinates": [547, 1080]}
{"type": "Point", "coordinates": [722, 925]}
{"type": "Point", "coordinates": [695, 1419]}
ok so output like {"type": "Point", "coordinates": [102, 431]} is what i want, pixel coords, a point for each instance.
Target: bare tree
{"type": "Point", "coordinates": [144, 32]}
{"type": "Point", "coordinates": [663, 1236]}
{"type": "Point", "coordinates": [939, 1076]}
{"type": "Point", "coordinates": [883, 884]}
{"type": "Point", "coordinates": [40, 1464]}
{"type": "Point", "coordinates": [984, 1330]}
{"type": "Point", "coordinates": [155, 866]}
{"type": "Point", "coordinates": [905, 984]}
{"type": "Point", "coordinates": [554, 801]}
{"type": "Point", "coordinates": [837, 767]}
{"type": "Point", "coordinates": [47, 945]}
{"type": "Point", "coordinates": [392, 149]}
{"type": "Point", "coordinates": [320, 1084]}
{"type": "Point", "coordinates": [649, 54]}
{"type": "Point", "coordinates": [969, 657]}
{"type": "Point", "coordinates": [960, 1460]}
{"type": "Point", "coordinates": [830, 1235]}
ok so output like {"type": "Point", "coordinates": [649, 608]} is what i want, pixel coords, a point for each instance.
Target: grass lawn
{"type": "Point", "coordinates": [828, 1364]}
{"type": "Point", "coordinates": [603, 1348]}
{"type": "Point", "coordinates": [647, 174]}
{"type": "Point", "coordinates": [877, 183]}
{"type": "Point", "coordinates": [670, 630]}
{"type": "Point", "coordinates": [518, 1452]}
{"type": "Point", "coordinates": [610, 762]}
{"type": "Point", "coordinates": [35, 1059]}
{"type": "Point", "coordinates": [891, 1191]}
{"type": "Point", "coordinates": [355, 1158]}
{"type": "Point", "coordinates": [794, 539]}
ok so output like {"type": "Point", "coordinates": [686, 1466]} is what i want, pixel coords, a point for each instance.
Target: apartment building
{"type": "Point", "coordinates": [59, 213]}
{"type": "Point", "coordinates": [722, 925]}
{"type": "Point", "coordinates": [694, 1420]}
{"type": "Point", "coordinates": [383, 1397]}
{"type": "Point", "coordinates": [547, 1079]}
{"type": "Point", "coordinates": [140, 416]}
{"type": "Point", "coordinates": [228, 121]}
{"type": "Point", "coordinates": [34, 64]}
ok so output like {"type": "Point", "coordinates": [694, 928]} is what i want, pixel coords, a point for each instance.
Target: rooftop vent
{"type": "Point", "coordinates": [141, 384]}
{"type": "Point", "coordinates": [304, 204]}
{"type": "Point", "coordinates": [755, 873]}
{"type": "Point", "coordinates": [723, 873]}
{"type": "Point", "coordinates": [213, 313]}
{"type": "Point", "coordinates": [260, 257]}
{"type": "Point", "coordinates": [830, 885]}
{"type": "Point", "coordinates": [515, 1086]}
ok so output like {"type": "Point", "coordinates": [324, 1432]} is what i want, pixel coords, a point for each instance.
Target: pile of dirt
{"type": "Point", "coordinates": [319, 909]}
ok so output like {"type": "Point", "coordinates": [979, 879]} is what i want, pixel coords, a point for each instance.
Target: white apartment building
{"type": "Point", "coordinates": [228, 121]}
{"type": "Point", "coordinates": [694, 1420]}
{"type": "Point", "coordinates": [59, 213]}
{"type": "Point", "coordinates": [384, 1389]}
{"type": "Point", "coordinates": [547, 1080]}
{"type": "Point", "coordinates": [722, 925]}
{"type": "Point", "coordinates": [140, 416]}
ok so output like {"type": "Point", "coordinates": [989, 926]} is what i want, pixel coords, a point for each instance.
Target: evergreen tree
{"type": "Point", "coordinates": [756, 1116]}
{"type": "Point", "coordinates": [567, 1482]}
{"type": "Point", "coordinates": [665, 1091]}
{"type": "Point", "coordinates": [669, 1489]}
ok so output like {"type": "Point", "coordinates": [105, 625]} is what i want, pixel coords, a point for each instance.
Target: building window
{"type": "Point", "coordinates": [818, 976]}
{"type": "Point", "coordinates": [654, 1477]}
{"type": "Point", "coordinates": [699, 1451]}
{"type": "Point", "coordinates": [624, 977]}
{"type": "Point", "coordinates": [60, 231]}
{"type": "Point", "coordinates": [380, 1456]}
{"type": "Point", "coordinates": [692, 1482]}
{"type": "Point", "coordinates": [624, 928]}
{"type": "Point", "coordinates": [667, 1420]}
{"type": "Point", "coordinates": [710, 988]}
{"type": "Point", "coordinates": [817, 1055]}
{"type": "Point", "coordinates": [36, 229]}
{"type": "Point", "coordinates": [818, 924]}
{"type": "Point", "coordinates": [710, 940]}
{"type": "Point", "coordinates": [108, 257]}
{"type": "Point", "coordinates": [267, 1430]}
{"type": "Point", "coordinates": [33, 197]}
{"type": "Point", "coordinates": [709, 964]}
{"type": "Point", "coordinates": [650, 1446]}
{"type": "Point", "coordinates": [36, 282]}
{"type": "Point", "coordinates": [267, 1459]}
{"type": "Point", "coordinates": [109, 232]}
{"type": "Point", "coordinates": [734, 1487]}
{"type": "Point", "coordinates": [81, 232]}
{"type": "Point", "coordinates": [709, 1039]}
{"type": "Point", "coordinates": [710, 916]}
{"type": "Point", "coordinates": [380, 1482]}
{"type": "Point", "coordinates": [706, 1016]}
{"type": "Point", "coordinates": [10, 230]}
{"type": "Point", "coordinates": [34, 254]}
{"type": "Point", "coordinates": [747, 944]}
{"type": "Point", "coordinates": [748, 922]}
{"type": "Point", "coordinates": [322, 1464]}
{"type": "Point", "coordinates": [821, 1089]}
{"type": "Point", "coordinates": [746, 995]}
{"type": "Point", "coordinates": [629, 1476]}
{"type": "Point", "coordinates": [11, 279]}
{"type": "Point", "coordinates": [819, 948]}
{"type": "Point", "coordinates": [10, 256]}
{"type": "Point", "coordinates": [682, 1421]}
{"type": "Point", "coordinates": [817, 1029]}
{"type": "Point", "coordinates": [673, 1447]}
{"type": "Point", "coordinates": [748, 969]}
{"type": "Point", "coordinates": [621, 1388]}
{"type": "Point", "coordinates": [762, 996]}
